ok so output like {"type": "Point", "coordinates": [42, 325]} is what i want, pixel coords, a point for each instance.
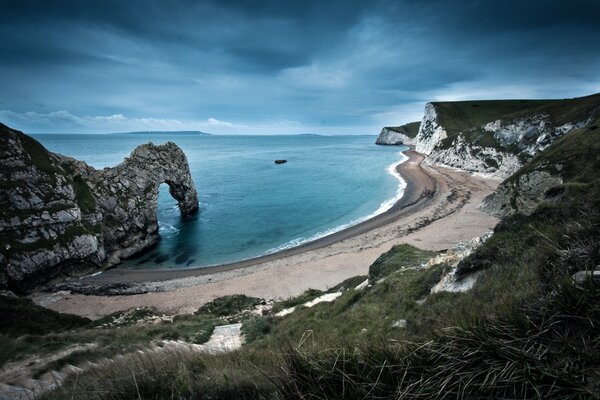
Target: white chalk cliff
{"type": "Point", "coordinates": [500, 147]}
{"type": "Point", "coordinates": [430, 131]}
{"type": "Point", "coordinates": [389, 136]}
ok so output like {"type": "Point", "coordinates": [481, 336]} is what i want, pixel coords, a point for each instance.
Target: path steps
{"type": "Point", "coordinates": [223, 339]}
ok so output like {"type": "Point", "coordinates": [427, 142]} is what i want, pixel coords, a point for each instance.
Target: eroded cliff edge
{"type": "Point", "coordinates": [497, 137]}
{"type": "Point", "coordinates": [60, 216]}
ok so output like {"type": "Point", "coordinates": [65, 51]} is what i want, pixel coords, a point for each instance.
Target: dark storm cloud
{"type": "Point", "coordinates": [285, 66]}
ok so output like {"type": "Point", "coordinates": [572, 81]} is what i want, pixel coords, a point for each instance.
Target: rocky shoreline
{"type": "Point", "coordinates": [420, 189]}
{"type": "Point", "coordinates": [59, 216]}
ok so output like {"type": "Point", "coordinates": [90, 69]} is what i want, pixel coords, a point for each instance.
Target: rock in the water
{"type": "Point", "coordinates": [280, 161]}
{"type": "Point", "coordinates": [60, 216]}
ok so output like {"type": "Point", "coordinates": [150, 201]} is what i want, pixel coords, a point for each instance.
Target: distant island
{"type": "Point", "coordinates": [163, 132]}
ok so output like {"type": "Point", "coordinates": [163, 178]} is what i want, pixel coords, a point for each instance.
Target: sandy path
{"type": "Point", "coordinates": [441, 220]}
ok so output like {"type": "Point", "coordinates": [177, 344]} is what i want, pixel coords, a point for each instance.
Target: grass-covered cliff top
{"type": "Point", "coordinates": [467, 117]}
{"type": "Point", "coordinates": [411, 129]}
{"type": "Point", "coordinates": [457, 116]}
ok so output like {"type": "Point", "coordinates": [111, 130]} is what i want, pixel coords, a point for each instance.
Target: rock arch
{"type": "Point", "coordinates": [59, 216]}
{"type": "Point", "coordinates": [131, 190]}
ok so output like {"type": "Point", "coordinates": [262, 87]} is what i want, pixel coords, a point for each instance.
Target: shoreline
{"type": "Point", "coordinates": [419, 187]}
{"type": "Point", "coordinates": [438, 211]}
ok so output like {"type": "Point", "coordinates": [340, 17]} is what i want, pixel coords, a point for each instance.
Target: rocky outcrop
{"type": "Point", "coordinates": [522, 194]}
{"type": "Point", "coordinates": [60, 216]}
{"type": "Point", "coordinates": [510, 143]}
{"type": "Point", "coordinates": [499, 147]}
{"type": "Point", "coordinates": [567, 163]}
{"type": "Point", "coordinates": [470, 157]}
{"type": "Point", "coordinates": [390, 136]}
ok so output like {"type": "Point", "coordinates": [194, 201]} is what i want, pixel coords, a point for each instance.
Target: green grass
{"type": "Point", "coordinates": [40, 157]}
{"type": "Point", "coordinates": [523, 331]}
{"type": "Point", "coordinates": [357, 316]}
{"type": "Point", "coordinates": [85, 199]}
{"type": "Point", "coordinates": [35, 330]}
{"type": "Point", "coordinates": [28, 318]}
{"type": "Point", "coordinates": [401, 256]}
{"type": "Point", "coordinates": [466, 117]}
{"type": "Point", "coordinates": [547, 349]}
{"type": "Point", "coordinates": [459, 116]}
{"type": "Point", "coordinates": [229, 305]}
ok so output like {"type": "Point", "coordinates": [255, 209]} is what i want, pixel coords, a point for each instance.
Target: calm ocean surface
{"type": "Point", "coordinates": [248, 205]}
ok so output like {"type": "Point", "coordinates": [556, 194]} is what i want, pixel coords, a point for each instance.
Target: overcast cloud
{"type": "Point", "coordinates": [330, 67]}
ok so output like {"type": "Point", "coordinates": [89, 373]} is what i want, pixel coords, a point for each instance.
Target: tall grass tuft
{"type": "Point", "coordinates": [547, 350]}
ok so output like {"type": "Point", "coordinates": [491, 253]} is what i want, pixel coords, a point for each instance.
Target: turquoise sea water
{"type": "Point", "coordinates": [248, 205]}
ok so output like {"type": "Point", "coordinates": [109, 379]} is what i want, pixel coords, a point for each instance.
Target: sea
{"type": "Point", "coordinates": [250, 206]}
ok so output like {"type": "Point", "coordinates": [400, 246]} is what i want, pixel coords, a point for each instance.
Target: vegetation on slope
{"type": "Point", "coordinates": [36, 331]}
{"type": "Point", "coordinates": [28, 318]}
{"type": "Point", "coordinates": [458, 116]}
{"type": "Point", "coordinates": [467, 117]}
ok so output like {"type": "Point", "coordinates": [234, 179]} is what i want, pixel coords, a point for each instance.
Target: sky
{"type": "Point", "coordinates": [282, 67]}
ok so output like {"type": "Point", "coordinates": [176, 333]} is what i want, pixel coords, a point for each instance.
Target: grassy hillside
{"type": "Point", "coordinates": [466, 117]}
{"type": "Point", "coordinates": [457, 116]}
{"type": "Point", "coordinates": [523, 331]}
{"type": "Point", "coordinates": [28, 318]}
{"type": "Point", "coordinates": [411, 129]}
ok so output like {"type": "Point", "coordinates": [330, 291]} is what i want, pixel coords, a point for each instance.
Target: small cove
{"type": "Point", "coordinates": [250, 206]}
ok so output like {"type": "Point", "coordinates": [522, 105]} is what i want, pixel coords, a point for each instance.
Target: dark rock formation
{"type": "Point", "coordinates": [280, 161]}
{"type": "Point", "coordinates": [60, 216]}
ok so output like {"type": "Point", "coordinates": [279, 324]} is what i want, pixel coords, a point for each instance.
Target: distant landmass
{"type": "Point", "coordinates": [166, 132]}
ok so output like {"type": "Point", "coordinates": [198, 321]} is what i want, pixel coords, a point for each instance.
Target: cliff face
{"type": "Point", "coordinates": [430, 131]}
{"type": "Point", "coordinates": [565, 165]}
{"type": "Point", "coordinates": [500, 146]}
{"type": "Point", "coordinates": [60, 216]}
{"type": "Point", "coordinates": [399, 135]}
{"type": "Point", "coordinates": [390, 137]}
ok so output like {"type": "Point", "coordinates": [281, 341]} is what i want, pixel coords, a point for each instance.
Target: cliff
{"type": "Point", "coordinates": [567, 164]}
{"type": "Point", "coordinates": [499, 137]}
{"type": "Point", "coordinates": [399, 135]}
{"type": "Point", "coordinates": [59, 216]}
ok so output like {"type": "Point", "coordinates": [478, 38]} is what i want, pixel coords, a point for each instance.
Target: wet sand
{"type": "Point", "coordinates": [438, 210]}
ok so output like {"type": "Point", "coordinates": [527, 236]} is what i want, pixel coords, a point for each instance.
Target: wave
{"type": "Point", "coordinates": [167, 230]}
{"type": "Point", "coordinates": [383, 207]}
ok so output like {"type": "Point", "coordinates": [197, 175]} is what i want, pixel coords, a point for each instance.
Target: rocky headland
{"type": "Point", "coordinates": [399, 135]}
{"type": "Point", "coordinates": [498, 137]}
{"type": "Point", "coordinates": [59, 216]}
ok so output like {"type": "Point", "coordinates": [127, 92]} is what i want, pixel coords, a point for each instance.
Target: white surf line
{"type": "Point", "coordinates": [383, 207]}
